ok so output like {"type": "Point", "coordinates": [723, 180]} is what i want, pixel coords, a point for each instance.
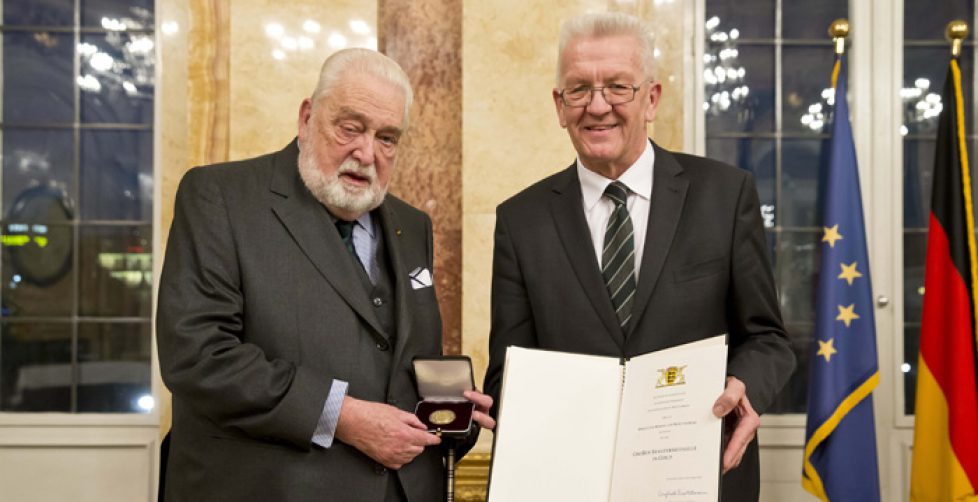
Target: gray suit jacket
{"type": "Point", "coordinates": [260, 309]}
{"type": "Point", "coordinates": [704, 272]}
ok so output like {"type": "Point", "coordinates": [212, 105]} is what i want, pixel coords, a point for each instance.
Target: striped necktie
{"type": "Point", "coordinates": [618, 256]}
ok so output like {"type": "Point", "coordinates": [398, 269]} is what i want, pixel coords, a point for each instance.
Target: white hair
{"type": "Point", "coordinates": [363, 61]}
{"type": "Point", "coordinates": [607, 24]}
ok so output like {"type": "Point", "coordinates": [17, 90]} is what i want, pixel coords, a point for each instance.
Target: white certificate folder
{"type": "Point", "coordinates": [583, 428]}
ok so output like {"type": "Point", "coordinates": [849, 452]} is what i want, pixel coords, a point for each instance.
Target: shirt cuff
{"type": "Point", "coordinates": [326, 428]}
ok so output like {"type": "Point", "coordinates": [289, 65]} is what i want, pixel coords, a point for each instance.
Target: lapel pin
{"type": "Point", "coordinates": [397, 231]}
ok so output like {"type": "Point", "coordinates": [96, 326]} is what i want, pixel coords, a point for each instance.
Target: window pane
{"type": "Point", "coordinates": [32, 158]}
{"type": "Point", "coordinates": [739, 88]}
{"type": "Point", "coordinates": [918, 180]}
{"type": "Point", "coordinates": [924, 72]}
{"type": "Point", "coordinates": [911, 351]}
{"type": "Point", "coordinates": [926, 19]}
{"type": "Point", "coordinates": [793, 398]}
{"type": "Point", "coordinates": [807, 87]}
{"type": "Point", "coordinates": [801, 176]}
{"type": "Point", "coordinates": [797, 275]}
{"type": "Point", "coordinates": [751, 18]}
{"type": "Point", "coordinates": [808, 19]}
{"type": "Point", "coordinates": [116, 271]}
{"type": "Point", "coordinates": [114, 368]}
{"type": "Point", "coordinates": [38, 12]}
{"type": "Point", "coordinates": [116, 84]}
{"type": "Point", "coordinates": [36, 269]}
{"type": "Point", "coordinates": [754, 155]}
{"type": "Point", "coordinates": [35, 367]}
{"type": "Point", "coordinates": [37, 78]}
{"type": "Point", "coordinates": [117, 175]}
{"type": "Point", "coordinates": [133, 14]}
{"type": "Point", "coordinates": [73, 193]}
{"type": "Point", "coordinates": [914, 258]}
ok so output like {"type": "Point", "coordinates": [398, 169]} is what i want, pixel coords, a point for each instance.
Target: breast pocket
{"type": "Point", "coordinates": [700, 270]}
{"type": "Point", "coordinates": [424, 295]}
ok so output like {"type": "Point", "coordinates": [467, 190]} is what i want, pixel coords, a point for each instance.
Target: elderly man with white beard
{"type": "Point", "coordinates": [295, 294]}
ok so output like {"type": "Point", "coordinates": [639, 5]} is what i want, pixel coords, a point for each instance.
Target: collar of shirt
{"type": "Point", "coordinates": [638, 179]}
{"type": "Point", "coordinates": [366, 222]}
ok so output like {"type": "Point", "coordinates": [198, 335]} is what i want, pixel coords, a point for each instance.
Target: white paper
{"type": "Point", "coordinates": [668, 444]}
{"type": "Point", "coordinates": [556, 434]}
{"type": "Point", "coordinates": [581, 428]}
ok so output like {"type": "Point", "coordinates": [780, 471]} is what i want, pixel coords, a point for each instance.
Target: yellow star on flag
{"type": "Point", "coordinates": [831, 235]}
{"type": "Point", "coordinates": [849, 272]}
{"type": "Point", "coordinates": [826, 349]}
{"type": "Point", "coordinates": [846, 314]}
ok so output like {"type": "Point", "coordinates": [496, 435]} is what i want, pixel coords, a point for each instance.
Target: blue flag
{"type": "Point", "coordinates": [840, 439]}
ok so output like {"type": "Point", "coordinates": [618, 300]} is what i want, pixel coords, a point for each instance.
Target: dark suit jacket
{"type": "Point", "coordinates": [260, 309]}
{"type": "Point", "coordinates": [704, 272]}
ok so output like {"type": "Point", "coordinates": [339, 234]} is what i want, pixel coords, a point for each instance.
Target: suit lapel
{"type": "Point", "coordinates": [392, 235]}
{"type": "Point", "coordinates": [568, 213]}
{"type": "Point", "coordinates": [309, 224]}
{"type": "Point", "coordinates": [668, 196]}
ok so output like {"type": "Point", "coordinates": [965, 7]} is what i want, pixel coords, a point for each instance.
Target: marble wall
{"type": "Point", "coordinates": [275, 54]}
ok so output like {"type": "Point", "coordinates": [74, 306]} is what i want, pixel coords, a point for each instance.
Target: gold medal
{"type": "Point", "coordinates": [442, 417]}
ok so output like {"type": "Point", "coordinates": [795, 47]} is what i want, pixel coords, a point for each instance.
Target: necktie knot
{"type": "Point", "coordinates": [617, 192]}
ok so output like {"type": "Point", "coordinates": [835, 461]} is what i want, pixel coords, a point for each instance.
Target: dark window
{"type": "Point", "coordinates": [767, 76]}
{"type": "Point", "coordinates": [77, 205]}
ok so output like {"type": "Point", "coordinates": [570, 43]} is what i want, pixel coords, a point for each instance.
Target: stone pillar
{"type": "Point", "coordinates": [425, 37]}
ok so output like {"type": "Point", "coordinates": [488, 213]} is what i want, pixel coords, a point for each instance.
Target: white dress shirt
{"type": "Point", "coordinates": [598, 208]}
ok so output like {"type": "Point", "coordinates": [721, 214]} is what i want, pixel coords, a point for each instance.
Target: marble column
{"type": "Point", "coordinates": [193, 122]}
{"type": "Point", "coordinates": [425, 37]}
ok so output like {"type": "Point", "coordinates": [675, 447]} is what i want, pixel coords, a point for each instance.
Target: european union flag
{"type": "Point", "coordinates": [840, 438]}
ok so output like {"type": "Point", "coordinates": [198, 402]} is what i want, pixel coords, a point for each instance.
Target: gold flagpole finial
{"type": "Point", "coordinates": [955, 33]}
{"type": "Point", "coordinates": [839, 30]}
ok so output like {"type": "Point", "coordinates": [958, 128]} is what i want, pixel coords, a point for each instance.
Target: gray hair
{"type": "Point", "coordinates": [607, 24]}
{"type": "Point", "coordinates": [364, 61]}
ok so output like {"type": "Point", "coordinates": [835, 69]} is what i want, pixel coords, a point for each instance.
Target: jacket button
{"type": "Point", "coordinates": [378, 302]}
{"type": "Point", "coordinates": [379, 469]}
{"type": "Point", "coordinates": [392, 402]}
{"type": "Point", "coordinates": [382, 345]}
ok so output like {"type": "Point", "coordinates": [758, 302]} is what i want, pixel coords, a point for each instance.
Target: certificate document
{"type": "Point", "coordinates": [590, 428]}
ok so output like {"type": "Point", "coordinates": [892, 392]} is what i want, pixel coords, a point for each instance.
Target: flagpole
{"type": "Point", "coordinates": [955, 33]}
{"type": "Point", "coordinates": [839, 30]}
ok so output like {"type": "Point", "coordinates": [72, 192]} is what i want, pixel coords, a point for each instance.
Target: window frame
{"type": "Point", "coordinates": [12, 420]}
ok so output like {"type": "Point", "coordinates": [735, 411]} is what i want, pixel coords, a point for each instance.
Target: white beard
{"type": "Point", "coordinates": [334, 193]}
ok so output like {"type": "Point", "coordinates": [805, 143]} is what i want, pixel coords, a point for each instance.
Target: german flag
{"type": "Point", "coordinates": [945, 454]}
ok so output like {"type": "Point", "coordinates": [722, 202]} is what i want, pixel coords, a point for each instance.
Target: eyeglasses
{"type": "Point", "coordinates": [613, 94]}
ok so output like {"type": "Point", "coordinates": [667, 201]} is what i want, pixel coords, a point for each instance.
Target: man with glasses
{"type": "Point", "coordinates": [634, 248]}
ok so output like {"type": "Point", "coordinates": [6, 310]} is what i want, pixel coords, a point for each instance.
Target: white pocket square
{"type": "Point", "coordinates": [420, 278]}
